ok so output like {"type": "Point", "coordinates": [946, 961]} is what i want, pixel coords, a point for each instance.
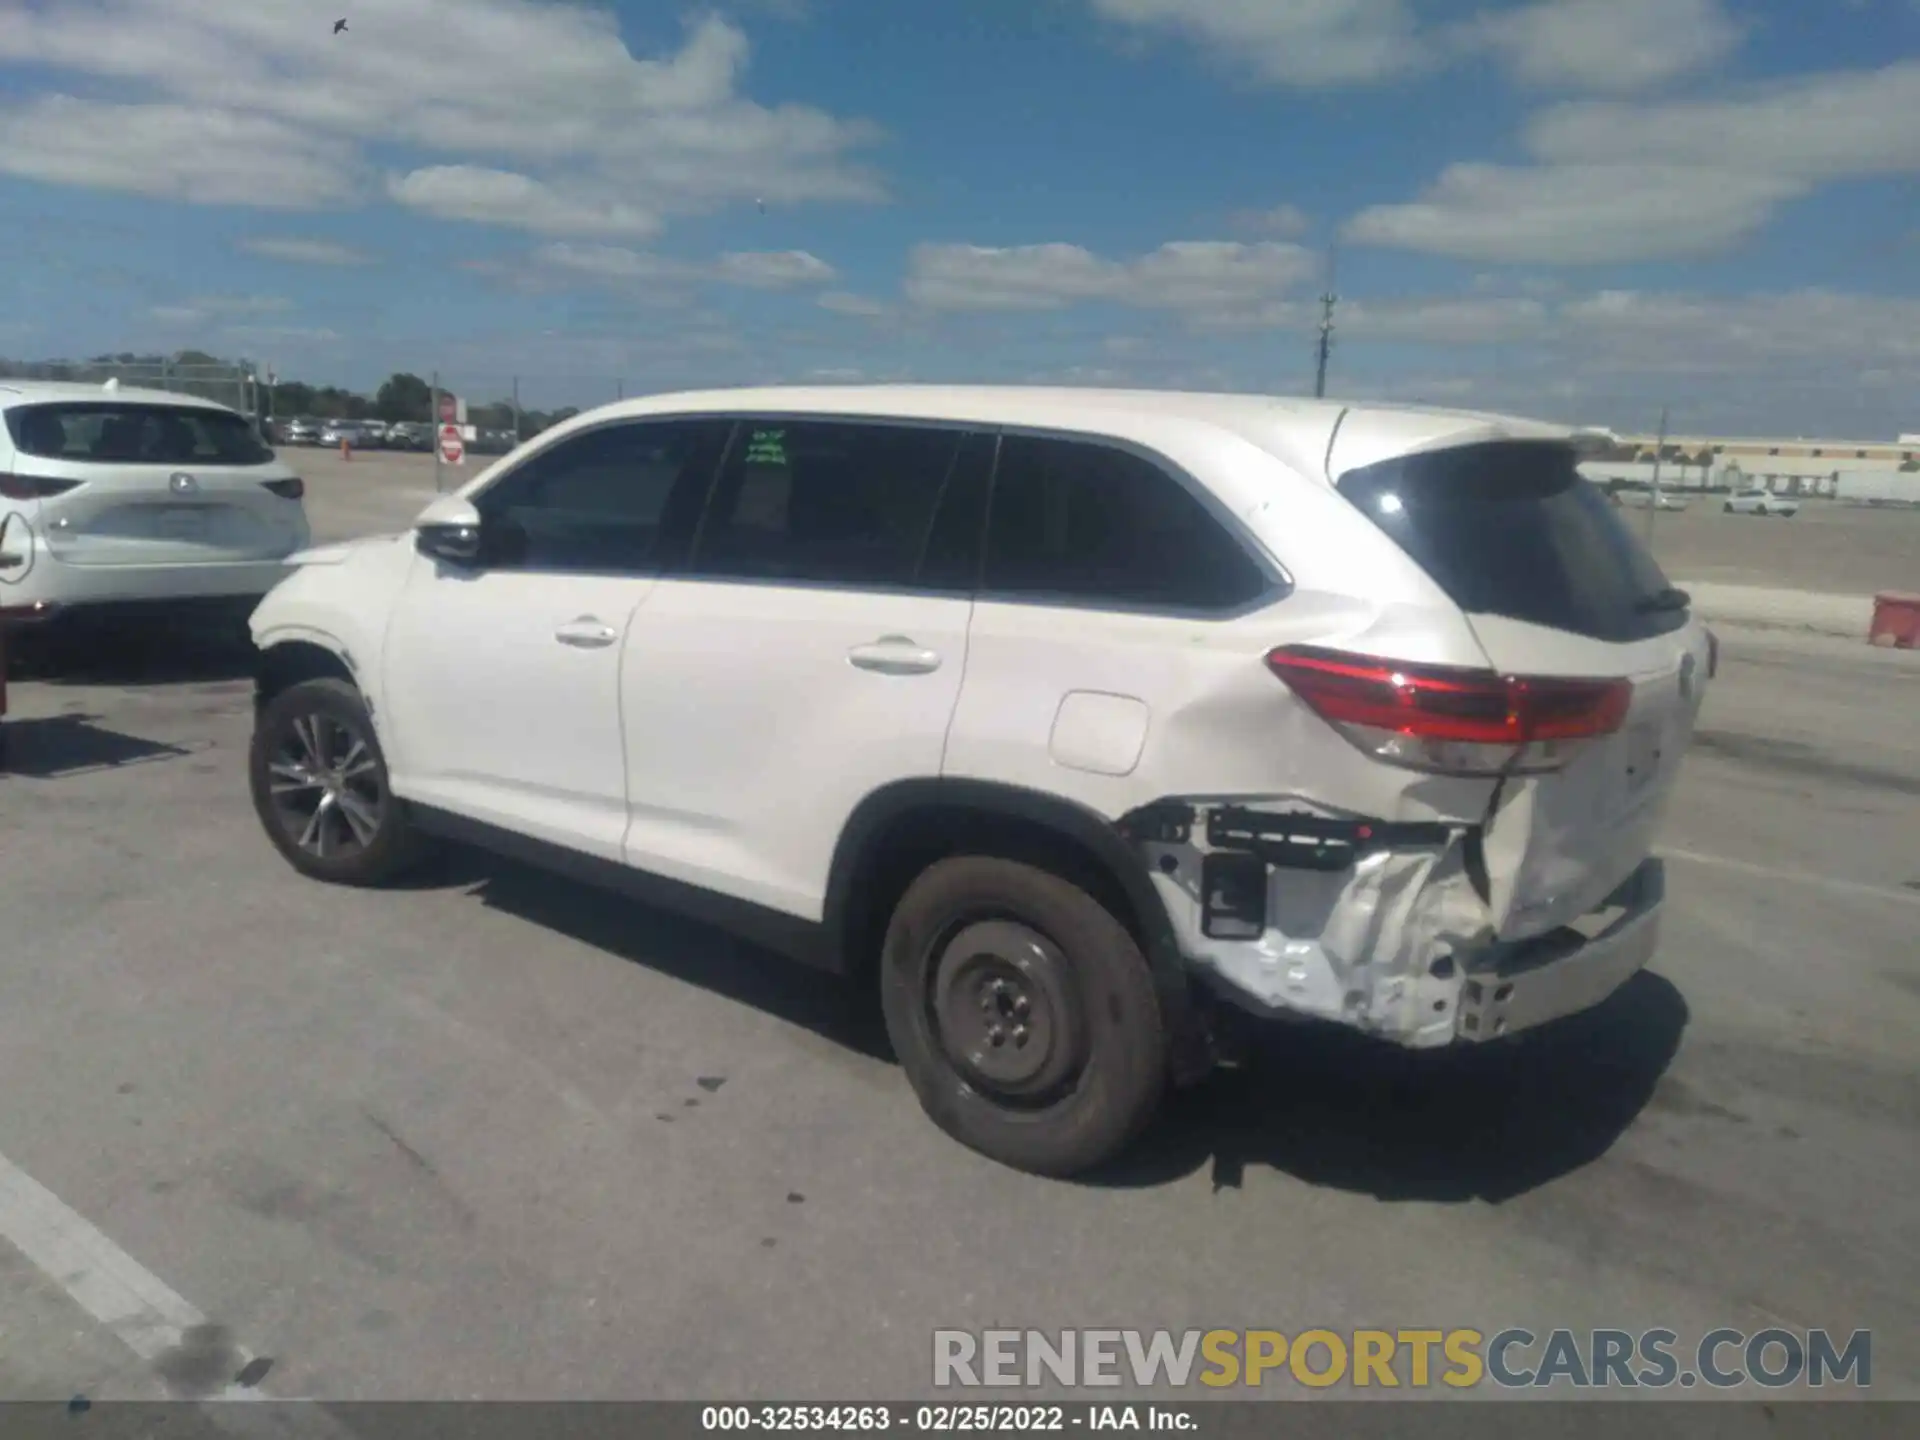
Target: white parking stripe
{"type": "Point", "coordinates": [141, 1310]}
{"type": "Point", "coordinates": [1795, 877]}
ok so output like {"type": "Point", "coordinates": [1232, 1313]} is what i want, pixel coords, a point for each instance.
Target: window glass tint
{"type": "Point", "coordinates": [109, 433]}
{"type": "Point", "coordinates": [600, 501]}
{"type": "Point", "coordinates": [826, 501]}
{"type": "Point", "coordinates": [1091, 523]}
{"type": "Point", "coordinates": [1514, 529]}
{"type": "Point", "coordinates": [951, 560]}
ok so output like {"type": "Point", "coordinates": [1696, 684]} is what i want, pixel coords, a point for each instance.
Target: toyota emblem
{"type": "Point", "coordinates": [182, 483]}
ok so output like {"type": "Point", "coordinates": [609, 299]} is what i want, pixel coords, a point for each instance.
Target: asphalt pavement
{"type": "Point", "coordinates": [495, 1135]}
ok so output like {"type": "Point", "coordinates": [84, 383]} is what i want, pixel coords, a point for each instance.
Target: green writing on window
{"type": "Point", "coordinates": [767, 447]}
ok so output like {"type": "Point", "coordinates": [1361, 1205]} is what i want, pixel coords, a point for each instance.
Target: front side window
{"type": "Point", "coordinates": [1087, 523]}
{"type": "Point", "coordinates": [832, 502]}
{"type": "Point", "coordinates": [99, 432]}
{"type": "Point", "coordinates": [604, 501]}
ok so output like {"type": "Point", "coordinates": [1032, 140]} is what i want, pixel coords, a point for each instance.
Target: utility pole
{"type": "Point", "coordinates": [433, 430]}
{"type": "Point", "coordinates": [1659, 450]}
{"type": "Point", "coordinates": [1323, 350]}
{"type": "Point", "coordinates": [516, 410]}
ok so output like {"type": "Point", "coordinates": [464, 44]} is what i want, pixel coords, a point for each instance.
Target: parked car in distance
{"type": "Point", "coordinates": [303, 431]}
{"type": "Point", "coordinates": [409, 435]}
{"type": "Point", "coordinates": [1760, 502]}
{"type": "Point", "coordinates": [1649, 500]}
{"type": "Point", "coordinates": [115, 499]}
{"type": "Point", "coordinates": [348, 432]}
{"type": "Point", "coordinates": [1076, 723]}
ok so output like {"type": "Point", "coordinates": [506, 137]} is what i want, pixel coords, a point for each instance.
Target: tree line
{"type": "Point", "coordinates": [401, 396]}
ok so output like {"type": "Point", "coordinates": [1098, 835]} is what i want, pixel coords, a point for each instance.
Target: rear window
{"type": "Point", "coordinates": [108, 433]}
{"type": "Point", "coordinates": [1513, 529]}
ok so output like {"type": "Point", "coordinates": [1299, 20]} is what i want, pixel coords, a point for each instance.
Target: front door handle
{"type": "Point", "coordinates": [586, 633]}
{"type": "Point", "coordinates": [894, 655]}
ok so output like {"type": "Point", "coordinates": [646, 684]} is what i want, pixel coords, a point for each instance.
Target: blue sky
{"type": "Point", "coordinates": [1585, 209]}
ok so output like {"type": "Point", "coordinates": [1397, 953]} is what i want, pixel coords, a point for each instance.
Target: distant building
{"type": "Point", "coordinates": [1724, 462]}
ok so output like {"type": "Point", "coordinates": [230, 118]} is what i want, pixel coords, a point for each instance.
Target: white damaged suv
{"type": "Point", "coordinates": [1065, 717]}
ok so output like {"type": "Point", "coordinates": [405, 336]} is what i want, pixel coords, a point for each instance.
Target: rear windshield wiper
{"type": "Point", "coordinates": [1671, 598]}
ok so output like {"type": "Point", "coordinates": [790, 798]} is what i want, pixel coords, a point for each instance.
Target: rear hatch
{"type": "Point", "coordinates": [1556, 586]}
{"type": "Point", "coordinates": [150, 483]}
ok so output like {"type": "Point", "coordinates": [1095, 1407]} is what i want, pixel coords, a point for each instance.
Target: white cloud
{"type": "Point", "coordinates": [1607, 45]}
{"type": "Point", "coordinates": [1198, 277]}
{"type": "Point", "coordinates": [1576, 214]}
{"type": "Point", "coordinates": [773, 269]}
{"type": "Point", "coordinates": [1310, 44]}
{"type": "Point", "coordinates": [842, 302]}
{"type": "Point", "coordinates": [617, 265]}
{"type": "Point", "coordinates": [258, 103]}
{"type": "Point", "coordinates": [1812, 128]}
{"type": "Point", "coordinates": [1444, 321]}
{"type": "Point", "coordinates": [298, 250]}
{"type": "Point", "coordinates": [1601, 45]}
{"type": "Point", "coordinates": [194, 153]}
{"type": "Point", "coordinates": [1622, 182]}
{"type": "Point", "coordinates": [503, 197]}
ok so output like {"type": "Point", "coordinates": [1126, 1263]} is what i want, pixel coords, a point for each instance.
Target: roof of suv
{"type": "Point", "coordinates": [16, 392]}
{"type": "Point", "coordinates": [1300, 429]}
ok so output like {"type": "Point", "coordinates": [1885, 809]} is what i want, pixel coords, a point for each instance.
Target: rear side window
{"type": "Point", "coordinates": [1086, 523]}
{"type": "Point", "coordinates": [1513, 529]}
{"type": "Point", "coordinates": [108, 433]}
{"type": "Point", "coordinates": [838, 503]}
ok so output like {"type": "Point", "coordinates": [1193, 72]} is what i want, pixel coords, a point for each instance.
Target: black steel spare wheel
{"type": "Point", "coordinates": [320, 787]}
{"type": "Point", "coordinates": [1024, 1014]}
{"type": "Point", "coordinates": [1003, 1003]}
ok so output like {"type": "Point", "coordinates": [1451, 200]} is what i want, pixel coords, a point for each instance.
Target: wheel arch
{"type": "Point", "coordinates": [297, 656]}
{"type": "Point", "coordinates": [900, 829]}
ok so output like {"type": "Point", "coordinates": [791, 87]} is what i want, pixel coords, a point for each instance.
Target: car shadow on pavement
{"type": "Point", "coordinates": [686, 949]}
{"type": "Point", "coordinates": [1323, 1105]}
{"type": "Point", "coordinates": [1483, 1123]}
{"type": "Point", "coordinates": [128, 654]}
{"type": "Point", "coordinates": [63, 745]}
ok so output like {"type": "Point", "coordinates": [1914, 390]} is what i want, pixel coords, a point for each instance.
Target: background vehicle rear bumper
{"type": "Point", "coordinates": [52, 589]}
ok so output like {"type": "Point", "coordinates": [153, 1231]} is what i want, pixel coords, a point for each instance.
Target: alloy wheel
{"type": "Point", "coordinates": [326, 786]}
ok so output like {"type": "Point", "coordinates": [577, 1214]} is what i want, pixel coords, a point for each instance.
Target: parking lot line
{"type": "Point", "coordinates": [139, 1308]}
{"type": "Point", "coordinates": [1797, 877]}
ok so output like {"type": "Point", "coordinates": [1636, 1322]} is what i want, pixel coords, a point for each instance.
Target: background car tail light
{"type": "Point", "coordinates": [287, 489]}
{"type": "Point", "coordinates": [1453, 720]}
{"type": "Point", "coordinates": [34, 487]}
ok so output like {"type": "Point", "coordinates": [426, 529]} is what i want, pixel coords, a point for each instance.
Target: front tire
{"type": "Point", "coordinates": [319, 782]}
{"type": "Point", "coordinates": [1024, 1015]}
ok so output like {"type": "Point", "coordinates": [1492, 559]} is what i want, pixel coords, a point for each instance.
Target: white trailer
{"type": "Point", "coordinates": [1878, 487]}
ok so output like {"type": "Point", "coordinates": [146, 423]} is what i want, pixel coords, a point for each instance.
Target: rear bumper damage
{"type": "Point", "coordinates": [1383, 927]}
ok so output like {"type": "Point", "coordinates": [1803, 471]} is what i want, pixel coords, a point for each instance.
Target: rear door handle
{"type": "Point", "coordinates": [586, 633]}
{"type": "Point", "coordinates": [894, 655]}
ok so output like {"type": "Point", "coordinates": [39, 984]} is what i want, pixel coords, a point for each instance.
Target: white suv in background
{"type": "Point", "coordinates": [1062, 716]}
{"type": "Point", "coordinates": [112, 497]}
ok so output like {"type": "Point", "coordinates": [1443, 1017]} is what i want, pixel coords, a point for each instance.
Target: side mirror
{"type": "Point", "coordinates": [455, 544]}
{"type": "Point", "coordinates": [449, 530]}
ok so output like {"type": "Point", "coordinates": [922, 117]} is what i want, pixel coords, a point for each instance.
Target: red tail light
{"type": "Point", "coordinates": [287, 489]}
{"type": "Point", "coordinates": [1450, 719]}
{"type": "Point", "coordinates": [34, 487]}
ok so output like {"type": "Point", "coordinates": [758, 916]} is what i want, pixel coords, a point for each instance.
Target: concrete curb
{"type": "Point", "coordinates": [1763, 608]}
